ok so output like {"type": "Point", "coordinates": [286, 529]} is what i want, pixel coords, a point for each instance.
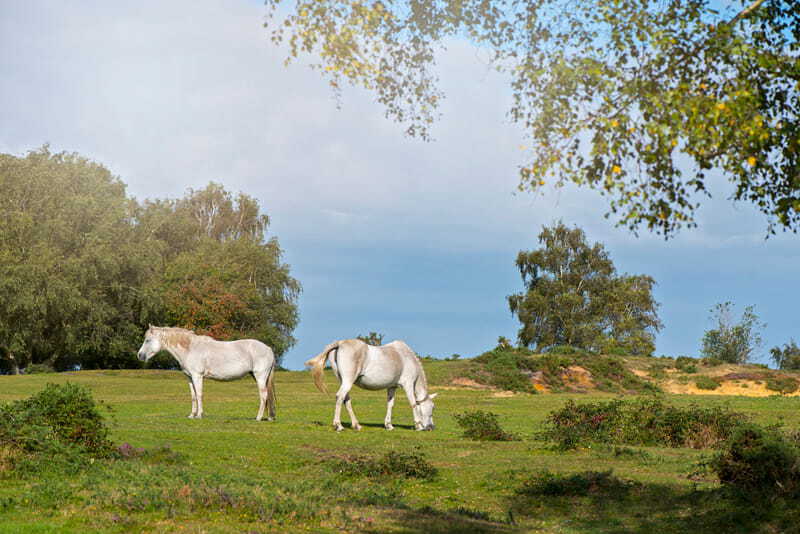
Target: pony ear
{"type": "Point", "coordinates": [433, 395]}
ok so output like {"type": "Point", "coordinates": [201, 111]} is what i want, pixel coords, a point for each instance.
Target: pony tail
{"type": "Point", "coordinates": [317, 364]}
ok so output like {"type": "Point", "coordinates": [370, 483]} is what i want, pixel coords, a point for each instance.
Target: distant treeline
{"type": "Point", "coordinates": [84, 267]}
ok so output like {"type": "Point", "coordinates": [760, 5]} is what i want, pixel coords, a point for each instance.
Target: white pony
{"type": "Point", "coordinates": [370, 367]}
{"type": "Point", "coordinates": [202, 356]}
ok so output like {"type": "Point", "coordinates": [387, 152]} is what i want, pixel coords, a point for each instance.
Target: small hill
{"type": "Point", "coordinates": [512, 369]}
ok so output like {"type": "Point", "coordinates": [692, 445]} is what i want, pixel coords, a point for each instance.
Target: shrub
{"type": "Point", "coordinates": [39, 368]}
{"type": "Point", "coordinates": [639, 422]}
{"type": "Point", "coordinates": [710, 361]}
{"type": "Point", "coordinates": [392, 464]}
{"type": "Point", "coordinates": [66, 414]}
{"type": "Point", "coordinates": [759, 462]}
{"type": "Point", "coordinates": [482, 426]}
{"type": "Point", "coordinates": [547, 484]}
{"type": "Point", "coordinates": [782, 384]}
{"type": "Point", "coordinates": [706, 382]}
{"type": "Point", "coordinates": [686, 364]}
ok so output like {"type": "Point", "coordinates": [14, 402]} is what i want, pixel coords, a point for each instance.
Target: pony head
{"type": "Point", "coordinates": [425, 410]}
{"type": "Point", "coordinates": [151, 344]}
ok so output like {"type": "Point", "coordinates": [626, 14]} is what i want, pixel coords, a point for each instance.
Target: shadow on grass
{"type": "Point", "coordinates": [380, 425]}
{"type": "Point", "coordinates": [601, 502]}
{"type": "Point", "coordinates": [429, 521]}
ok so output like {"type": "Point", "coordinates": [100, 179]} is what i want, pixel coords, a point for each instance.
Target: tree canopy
{"type": "Point", "coordinates": [643, 100]}
{"type": "Point", "coordinates": [574, 296]}
{"type": "Point", "coordinates": [84, 268]}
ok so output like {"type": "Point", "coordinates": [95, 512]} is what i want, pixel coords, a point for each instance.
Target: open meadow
{"type": "Point", "coordinates": [229, 473]}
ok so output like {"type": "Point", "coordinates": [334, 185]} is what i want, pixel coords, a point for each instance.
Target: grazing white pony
{"type": "Point", "coordinates": [370, 367]}
{"type": "Point", "coordinates": [202, 356]}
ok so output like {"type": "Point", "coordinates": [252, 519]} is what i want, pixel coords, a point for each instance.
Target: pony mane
{"type": "Point", "coordinates": [175, 336]}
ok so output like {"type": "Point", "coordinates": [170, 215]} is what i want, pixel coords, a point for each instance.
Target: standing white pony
{"type": "Point", "coordinates": [370, 367]}
{"type": "Point", "coordinates": [202, 356]}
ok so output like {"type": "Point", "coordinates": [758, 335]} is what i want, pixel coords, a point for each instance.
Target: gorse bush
{"type": "Point", "coordinates": [392, 464]}
{"type": "Point", "coordinates": [57, 418]}
{"type": "Point", "coordinates": [640, 422]}
{"type": "Point", "coordinates": [482, 426]}
{"type": "Point", "coordinates": [781, 384]}
{"type": "Point", "coordinates": [759, 463]}
{"type": "Point", "coordinates": [686, 364]}
{"type": "Point", "coordinates": [706, 382]}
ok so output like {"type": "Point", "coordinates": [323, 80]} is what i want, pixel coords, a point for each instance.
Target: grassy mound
{"type": "Point", "coordinates": [519, 369]}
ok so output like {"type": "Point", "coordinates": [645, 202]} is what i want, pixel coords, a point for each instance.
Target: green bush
{"type": "Point", "coordinates": [706, 382]}
{"type": "Point", "coordinates": [39, 368]}
{"type": "Point", "coordinates": [392, 464]}
{"type": "Point", "coordinates": [482, 426]}
{"type": "Point", "coordinates": [782, 384]}
{"type": "Point", "coordinates": [710, 362]}
{"type": "Point", "coordinates": [639, 422]}
{"type": "Point", "coordinates": [59, 413]}
{"type": "Point", "coordinates": [758, 462]}
{"type": "Point", "coordinates": [686, 364]}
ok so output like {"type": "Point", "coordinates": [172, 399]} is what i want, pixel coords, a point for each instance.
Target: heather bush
{"type": "Point", "coordinates": [639, 422]}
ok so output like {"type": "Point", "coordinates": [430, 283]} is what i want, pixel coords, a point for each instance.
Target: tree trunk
{"type": "Point", "coordinates": [14, 364]}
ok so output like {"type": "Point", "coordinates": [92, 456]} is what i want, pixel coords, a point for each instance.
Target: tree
{"type": "Point", "coordinates": [638, 99]}
{"type": "Point", "coordinates": [70, 267]}
{"type": "Point", "coordinates": [731, 341]}
{"type": "Point", "coordinates": [786, 357]}
{"type": "Point", "coordinates": [573, 296]}
{"type": "Point", "coordinates": [373, 338]}
{"type": "Point", "coordinates": [222, 276]}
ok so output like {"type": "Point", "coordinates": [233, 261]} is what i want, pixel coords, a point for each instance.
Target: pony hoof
{"type": "Point", "coordinates": [270, 419]}
{"type": "Point", "coordinates": [356, 427]}
{"type": "Point", "coordinates": [338, 428]}
{"type": "Point", "coordinates": [190, 416]}
{"type": "Point", "coordinates": [389, 427]}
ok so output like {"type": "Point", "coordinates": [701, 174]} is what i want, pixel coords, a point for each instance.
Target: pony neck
{"type": "Point", "coordinates": [177, 351]}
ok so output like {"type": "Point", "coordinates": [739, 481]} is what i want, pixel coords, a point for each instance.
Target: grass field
{"type": "Point", "coordinates": [229, 473]}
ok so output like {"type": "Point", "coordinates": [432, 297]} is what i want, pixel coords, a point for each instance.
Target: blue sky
{"type": "Point", "coordinates": [415, 240]}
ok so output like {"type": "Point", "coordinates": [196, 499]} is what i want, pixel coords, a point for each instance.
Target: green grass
{"type": "Point", "coordinates": [239, 475]}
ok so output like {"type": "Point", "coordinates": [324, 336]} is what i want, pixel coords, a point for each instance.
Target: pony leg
{"type": "Point", "coordinates": [389, 405]}
{"type": "Point", "coordinates": [197, 380]}
{"type": "Point", "coordinates": [341, 395]}
{"type": "Point", "coordinates": [194, 399]}
{"type": "Point", "coordinates": [413, 402]}
{"type": "Point", "coordinates": [261, 380]}
{"type": "Point", "coordinates": [349, 405]}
